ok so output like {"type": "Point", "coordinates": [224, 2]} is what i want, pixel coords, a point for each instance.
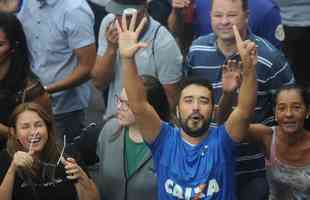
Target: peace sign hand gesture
{"type": "Point", "coordinates": [246, 49]}
{"type": "Point", "coordinates": [128, 36]}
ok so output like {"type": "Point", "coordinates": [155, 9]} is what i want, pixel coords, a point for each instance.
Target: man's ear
{"type": "Point", "coordinates": [177, 112]}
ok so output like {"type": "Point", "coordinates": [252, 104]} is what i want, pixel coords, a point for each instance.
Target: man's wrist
{"type": "Point", "coordinates": [128, 59]}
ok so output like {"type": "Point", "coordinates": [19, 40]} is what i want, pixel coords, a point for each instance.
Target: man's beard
{"type": "Point", "coordinates": [196, 132]}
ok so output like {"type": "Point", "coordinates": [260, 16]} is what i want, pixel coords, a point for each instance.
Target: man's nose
{"type": "Point", "coordinates": [196, 106]}
{"type": "Point", "coordinates": [225, 20]}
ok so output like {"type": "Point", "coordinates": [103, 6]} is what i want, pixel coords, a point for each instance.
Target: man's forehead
{"type": "Point", "coordinates": [196, 90]}
{"type": "Point", "coordinates": [218, 4]}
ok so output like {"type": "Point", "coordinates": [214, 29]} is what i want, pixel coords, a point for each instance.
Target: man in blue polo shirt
{"type": "Point", "coordinates": [191, 162]}
{"type": "Point", "coordinates": [206, 56]}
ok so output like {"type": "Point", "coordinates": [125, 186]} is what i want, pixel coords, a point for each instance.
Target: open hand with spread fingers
{"type": "Point", "coordinates": [246, 49]}
{"type": "Point", "coordinates": [231, 76]}
{"type": "Point", "coordinates": [128, 36]}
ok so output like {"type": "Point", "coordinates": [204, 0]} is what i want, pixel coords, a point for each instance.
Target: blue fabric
{"type": "Point", "coordinates": [272, 71]}
{"type": "Point", "coordinates": [182, 168]}
{"type": "Point", "coordinates": [264, 18]}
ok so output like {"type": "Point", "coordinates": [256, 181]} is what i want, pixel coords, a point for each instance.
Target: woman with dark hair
{"type": "Point", "coordinates": [17, 82]}
{"type": "Point", "coordinates": [30, 167]}
{"type": "Point", "coordinates": [126, 167]}
{"type": "Point", "coordinates": [287, 145]}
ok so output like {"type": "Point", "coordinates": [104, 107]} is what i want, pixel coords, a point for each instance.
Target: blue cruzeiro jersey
{"type": "Point", "coordinates": [184, 171]}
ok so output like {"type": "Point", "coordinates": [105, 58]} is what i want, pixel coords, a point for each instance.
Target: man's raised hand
{"type": "Point", "coordinates": [128, 36]}
{"type": "Point", "coordinates": [246, 49]}
{"type": "Point", "coordinates": [231, 76]}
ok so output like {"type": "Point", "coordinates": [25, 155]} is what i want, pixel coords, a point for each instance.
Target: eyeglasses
{"type": "Point", "coordinates": [121, 103]}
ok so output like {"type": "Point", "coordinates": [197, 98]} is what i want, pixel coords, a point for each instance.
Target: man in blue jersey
{"type": "Point", "coordinates": [205, 58]}
{"type": "Point", "coordinates": [191, 162]}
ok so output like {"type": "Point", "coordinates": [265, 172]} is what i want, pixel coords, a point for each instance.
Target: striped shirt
{"type": "Point", "coordinates": [273, 71]}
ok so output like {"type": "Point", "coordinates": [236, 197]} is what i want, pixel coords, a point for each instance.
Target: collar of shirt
{"type": "Point", "coordinates": [46, 2]}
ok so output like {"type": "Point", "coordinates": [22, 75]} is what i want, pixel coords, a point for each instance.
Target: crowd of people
{"type": "Point", "coordinates": [205, 99]}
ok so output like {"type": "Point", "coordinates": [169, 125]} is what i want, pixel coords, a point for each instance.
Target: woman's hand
{"type": "Point", "coordinates": [85, 187]}
{"type": "Point", "coordinates": [22, 159]}
{"type": "Point", "coordinates": [73, 170]}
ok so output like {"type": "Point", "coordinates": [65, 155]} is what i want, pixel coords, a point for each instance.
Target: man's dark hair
{"type": "Point", "coordinates": [245, 4]}
{"type": "Point", "coordinates": [17, 75]}
{"type": "Point", "coordinates": [156, 96]}
{"type": "Point", "coordinates": [200, 81]}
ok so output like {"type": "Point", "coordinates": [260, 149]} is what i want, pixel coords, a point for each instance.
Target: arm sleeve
{"type": "Point", "coordinates": [168, 58]}
{"type": "Point", "coordinates": [281, 73]}
{"type": "Point", "coordinates": [158, 146]}
{"type": "Point", "coordinates": [79, 27]}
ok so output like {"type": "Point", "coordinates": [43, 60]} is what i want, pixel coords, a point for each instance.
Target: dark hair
{"type": "Point", "coordinates": [51, 151]}
{"type": "Point", "coordinates": [156, 96]}
{"type": "Point", "coordinates": [200, 81]}
{"type": "Point", "coordinates": [245, 4]}
{"type": "Point", "coordinates": [301, 91]}
{"type": "Point", "coordinates": [16, 78]}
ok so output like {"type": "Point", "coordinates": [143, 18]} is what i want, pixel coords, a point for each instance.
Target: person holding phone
{"type": "Point", "coordinates": [29, 167]}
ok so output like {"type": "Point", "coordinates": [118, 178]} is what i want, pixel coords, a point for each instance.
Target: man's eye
{"type": "Point", "coordinates": [188, 100]}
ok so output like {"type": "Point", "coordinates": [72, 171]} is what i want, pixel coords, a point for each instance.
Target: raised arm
{"type": "Point", "coordinates": [102, 72]}
{"type": "Point", "coordinates": [231, 80]}
{"type": "Point", "coordinates": [238, 121]}
{"type": "Point", "coordinates": [146, 117]}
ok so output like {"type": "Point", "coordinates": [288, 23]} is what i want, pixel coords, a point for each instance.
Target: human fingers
{"type": "Point", "coordinates": [132, 22]}
{"type": "Point", "coordinates": [118, 26]}
{"type": "Point", "coordinates": [124, 22]}
{"type": "Point", "coordinates": [180, 3]}
{"type": "Point", "coordinates": [22, 159]}
{"type": "Point", "coordinates": [141, 25]}
{"type": "Point", "coordinates": [238, 38]}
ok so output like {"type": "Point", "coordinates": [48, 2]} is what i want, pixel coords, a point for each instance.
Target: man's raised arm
{"type": "Point", "coordinates": [146, 117]}
{"type": "Point", "coordinates": [238, 122]}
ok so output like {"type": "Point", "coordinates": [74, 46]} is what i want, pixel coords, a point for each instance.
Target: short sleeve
{"type": "Point", "coordinates": [102, 41]}
{"type": "Point", "coordinates": [227, 143]}
{"type": "Point", "coordinates": [157, 147]}
{"type": "Point", "coordinates": [168, 58]}
{"type": "Point", "coordinates": [79, 27]}
{"type": "Point", "coordinates": [281, 72]}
